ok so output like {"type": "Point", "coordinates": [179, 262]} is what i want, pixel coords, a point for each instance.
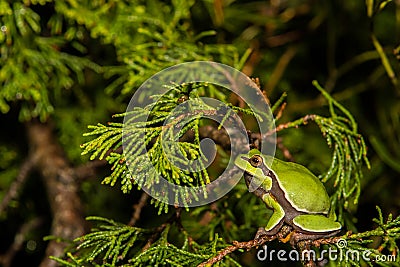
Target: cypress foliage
{"type": "Point", "coordinates": [72, 67]}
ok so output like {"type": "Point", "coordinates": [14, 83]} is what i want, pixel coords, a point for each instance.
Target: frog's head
{"type": "Point", "coordinates": [256, 171]}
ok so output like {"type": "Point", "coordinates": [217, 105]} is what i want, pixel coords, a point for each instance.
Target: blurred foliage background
{"type": "Point", "coordinates": [76, 63]}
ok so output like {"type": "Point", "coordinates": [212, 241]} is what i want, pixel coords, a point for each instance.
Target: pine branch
{"type": "Point", "coordinates": [350, 249]}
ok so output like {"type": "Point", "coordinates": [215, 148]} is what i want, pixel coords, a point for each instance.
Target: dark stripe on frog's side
{"type": "Point", "coordinates": [277, 193]}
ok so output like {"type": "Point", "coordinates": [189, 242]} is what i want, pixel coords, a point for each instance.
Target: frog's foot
{"type": "Point", "coordinates": [275, 222]}
{"type": "Point", "coordinates": [263, 232]}
{"type": "Point", "coordinates": [280, 231]}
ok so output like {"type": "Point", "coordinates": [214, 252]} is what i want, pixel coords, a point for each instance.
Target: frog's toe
{"type": "Point", "coordinates": [261, 232]}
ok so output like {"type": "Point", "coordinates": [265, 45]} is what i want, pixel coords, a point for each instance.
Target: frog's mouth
{"type": "Point", "coordinates": [245, 158]}
{"type": "Point", "coordinates": [247, 176]}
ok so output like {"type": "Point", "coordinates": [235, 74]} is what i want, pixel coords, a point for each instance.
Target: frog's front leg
{"type": "Point", "coordinates": [276, 220]}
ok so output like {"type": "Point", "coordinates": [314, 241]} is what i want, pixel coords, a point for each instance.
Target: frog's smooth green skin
{"type": "Point", "coordinates": [296, 196]}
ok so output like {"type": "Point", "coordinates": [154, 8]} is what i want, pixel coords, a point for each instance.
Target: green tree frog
{"type": "Point", "coordinates": [296, 196]}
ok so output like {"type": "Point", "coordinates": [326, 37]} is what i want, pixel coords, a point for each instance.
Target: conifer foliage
{"type": "Point", "coordinates": [68, 70]}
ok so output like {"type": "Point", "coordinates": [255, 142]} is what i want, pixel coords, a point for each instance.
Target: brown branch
{"type": "Point", "coordinates": [304, 120]}
{"type": "Point", "coordinates": [61, 187]}
{"type": "Point", "coordinates": [220, 136]}
{"type": "Point", "coordinates": [285, 234]}
{"type": "Point", "coordinates": [258, 241]}
{"type": "Point", "coordinates": [138, 209]}
{"type": "Point", "coordinates": [88, 170]}
{"type": "Point", "coordinates": [280, 111]}
{"type": "Point", "coordinates": [17, 184]}
{"type": "Point", "coordinates": [284, 149]}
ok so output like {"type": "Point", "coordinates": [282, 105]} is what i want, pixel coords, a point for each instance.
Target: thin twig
{"type": "Point", "coordinates": [280, 111]}
{"type": "Point", "coordinates": [138, 209]}
{"type": "Point", "coordinates": [88, 170]}
{"type": "Point", "coordinates": [18, 183]}
{"type": "Point", "coordinates": [244, 245]}
{"type": "Point", "coordinates": [303, 120]}
{"type": "Point", "coordinates": [284, 149]}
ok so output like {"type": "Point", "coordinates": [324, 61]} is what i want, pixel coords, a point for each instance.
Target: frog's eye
{"type": "Point", "coordinates": [256, 161]}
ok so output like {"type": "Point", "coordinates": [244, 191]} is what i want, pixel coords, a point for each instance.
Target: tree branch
{"type": "Point", "coordinates": [66, 207]}
{"type": "Point", "coordinates": [138, 209]}
{"type": "Point", "coordinates": [284, 235]}
{"type": "Point", "coordinates": [16, 185]}
{"type": "Point", "coordinates": [258, 241]}
{"type": "Point", "coordinates": [89, 169]}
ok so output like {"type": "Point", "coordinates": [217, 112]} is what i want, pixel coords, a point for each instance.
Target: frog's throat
{"type": "Point", "coordinates": [258, 191]}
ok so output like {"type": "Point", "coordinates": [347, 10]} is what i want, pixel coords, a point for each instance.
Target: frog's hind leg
{"type": "Point", "coordinates": [312, 227]}
{"type": "Point", "coordinates": [315, 223]}
{"type": "Point", "coordinates": [275, 221]}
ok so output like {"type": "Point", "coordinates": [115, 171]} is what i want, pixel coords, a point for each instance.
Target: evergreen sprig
{"type": "Point", "coordinates": [147, 36]}
{"type": "Point", "coordinates": [111, 241]}
{"type": "Point", "coordinates": [349, 152]}
{"type": "Point", "coordinates": [152, 148]}
{"type": "Point", "coordinates": [374, 247]}
{"type": "Point", "coordinates": [34, 68]}
{"type": "Point", "coordinates": [37, 66]}
{"type": "Point", "coordinates": [106, 245]}
{"type": "Point", "coordinates": [116, 244]}
{"type": "Point", "coordinates": [191, 253]}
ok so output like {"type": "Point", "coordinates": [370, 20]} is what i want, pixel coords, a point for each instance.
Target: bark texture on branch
{"type": "Point", "coordinates": [61, 186]}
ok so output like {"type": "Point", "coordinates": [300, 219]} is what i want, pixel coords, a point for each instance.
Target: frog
{"type": "Point", "coordinates": [295, 195]}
